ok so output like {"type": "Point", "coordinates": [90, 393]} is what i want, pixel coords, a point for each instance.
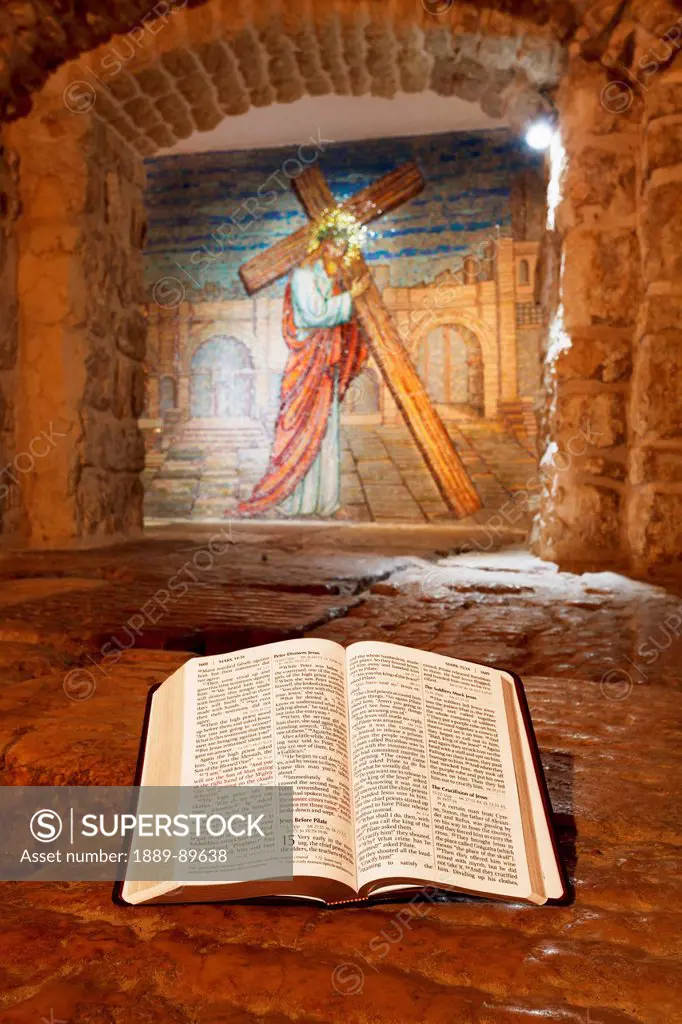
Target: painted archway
{"type": "Point", "coordinates": [489, 350]}
{"type": "Point", "coordinates": [222, 381]}
{"type": "Point", "coordinates": [450, 363]}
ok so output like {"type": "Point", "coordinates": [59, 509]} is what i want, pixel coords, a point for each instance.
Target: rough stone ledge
{"type": "Point", "coordinates": [613, 771]}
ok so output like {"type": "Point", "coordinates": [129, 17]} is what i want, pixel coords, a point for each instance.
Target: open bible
{"type": "Point", "coordinates": [408, 769]}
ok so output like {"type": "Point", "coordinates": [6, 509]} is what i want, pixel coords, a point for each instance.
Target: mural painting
{"type": "Point", "coordinates": [355, 339]}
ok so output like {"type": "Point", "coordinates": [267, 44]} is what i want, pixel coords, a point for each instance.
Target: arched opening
{"type": "Point", "coordinates": [222, 381]}
{"type": "Point", "coordinates": [171, 87]}
{"type": "Point", "coordinates": [524, 272]}
{"type": "Point", "coordinates": [451, 364]}
{"type": "Point", "coordinates": [99, 115]}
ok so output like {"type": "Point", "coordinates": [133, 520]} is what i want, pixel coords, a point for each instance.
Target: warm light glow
{"type": "Point", "coordinates": [540, 135]}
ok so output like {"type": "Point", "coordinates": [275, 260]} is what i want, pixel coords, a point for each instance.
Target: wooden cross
{"type": "Point", "coordinates": [403, 381]}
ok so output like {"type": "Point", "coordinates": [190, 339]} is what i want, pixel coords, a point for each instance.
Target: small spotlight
{"type": "Point", "coordinates": [540, 135]}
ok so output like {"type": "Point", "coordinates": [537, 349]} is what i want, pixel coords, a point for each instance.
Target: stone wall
{"type": "Point", "coordinates": [109, 490]}
{"type": "Point", "coordinates": [81, 334]}
{"type": "Point", "coordinates": [9, 210]}
{"type": "Point", "coordinates": [594, 289]}
{"type": "Point", "coordinates": [654, 513]}
{"type": "Point", "coordinates": [613, 368]}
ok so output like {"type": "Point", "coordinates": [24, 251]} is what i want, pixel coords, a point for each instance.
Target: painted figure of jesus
{"type": "Point", "coordinates": [326, 351]}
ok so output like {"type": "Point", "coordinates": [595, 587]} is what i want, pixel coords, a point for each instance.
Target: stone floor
{"type": "Point", "coordinates": [208, 469]}
{"type": "Point", "coordinates": [600, 656]}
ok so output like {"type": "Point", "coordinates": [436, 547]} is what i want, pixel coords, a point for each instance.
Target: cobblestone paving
{"type": "Point", "coordinates": [239, 584]}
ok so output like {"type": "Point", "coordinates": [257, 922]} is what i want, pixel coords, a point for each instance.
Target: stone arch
{"type": "Point", "coordinates": [255, 54]}
{"type": "Point", "coordinates": [204, 65]}
{"type": "Point", "coordinates": [286, 48]}
{"type": "Point", "coordinates": [489, 350]}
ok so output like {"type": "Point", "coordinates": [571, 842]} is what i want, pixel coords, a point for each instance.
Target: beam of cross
{"type": "Point", "coordinates": [402, 380]}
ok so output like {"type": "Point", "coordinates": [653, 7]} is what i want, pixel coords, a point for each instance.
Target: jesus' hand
{"type": "Point", "coordinates": [360, 286]}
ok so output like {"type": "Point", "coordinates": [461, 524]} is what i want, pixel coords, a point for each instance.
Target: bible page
{"type": "Point", "coordinates": [277, 715]}
{"type": "Point", "coordinates": [435, 791]}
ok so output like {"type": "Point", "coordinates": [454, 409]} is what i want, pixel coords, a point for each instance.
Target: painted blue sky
{"type": "Point", "coordinates": [469, 178]}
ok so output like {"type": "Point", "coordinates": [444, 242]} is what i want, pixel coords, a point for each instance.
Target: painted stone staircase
{"type": "Point", "coordinates": [209, 467]}
{"type": "Point", "coordinates": [519, 419]}
{"type": "Point", "coordinates": [221, 436]}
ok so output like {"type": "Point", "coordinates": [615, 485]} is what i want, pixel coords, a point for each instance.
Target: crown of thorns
{"type": "Point", "coordinates": [342, 226]}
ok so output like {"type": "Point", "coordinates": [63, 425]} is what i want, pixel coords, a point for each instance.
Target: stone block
{"type": "Point", "coordinates": [358, 513]}
{"type": "Point", "coordinates": [612, 467]}
{"type": "Point", "coordinates": [656, 402]}
{"type": "Point", "coordinates": [174, 487]}
{"type": "Point", "coordinates": [661, 230]}
{"type": "Point", "coordinates": [664, 96]}
{"type": "Point", "coordinates": [581, 520]}
{"type": "Point", "coordinates": [193, 88]}
{"type": "Point", "coordinates": [652, 465]}
{"type": "Point", "coordinates": [124, 128]}
{"type": "Point", "coordinates": [600, 184]}
{"type": "Point", "coordinates": [392, 502]}
{"type": "Point", "coordinates": [122, 87]}
{"type": "Point", "coordinates": [423, 488]}
{"type": "Point", "coordinates": [181, 469]}
{"type": "Point", "coordinates": [592, 104]}
{"type": "Point", "coordinates": [142, 112]}
{"type": "Point", "coordinates": [365, 445]}
{"type": "Point", "coordinates": [153, 81]}
{"type": "Point", "coordinates": [48, 238]}
{"type": "Point", "coordinates": [162, 136]}
{"type": "Point", "coordinates": [378, 471]}
{"type": "Point", "coordinates": [108, 503]}
{"type": "Point", "coordinates": [655, 529]}
{"type": "Point", "coordinates": [111, 444]}
{"type": "Point", "coordinates": [597, 353]}
{"type": "Point", "coordinates": [601, 281]}
{"type": "Point", "coordinates": [179, 62]}
{"type": "Point", "coordinates": [660, 312]}
{"type": "Point", "coordinates": [99, 384]}
{"type": "Point", "coordinates": [663, 144]}
{"type": "Point", "coordinates": [590, 419]}
{"type": "Point", "coordinates": [50, 198]}
{"type": "Point", "coordinates": [207, 115]}
{"type": "Point", "coordinates": [351, 489]}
